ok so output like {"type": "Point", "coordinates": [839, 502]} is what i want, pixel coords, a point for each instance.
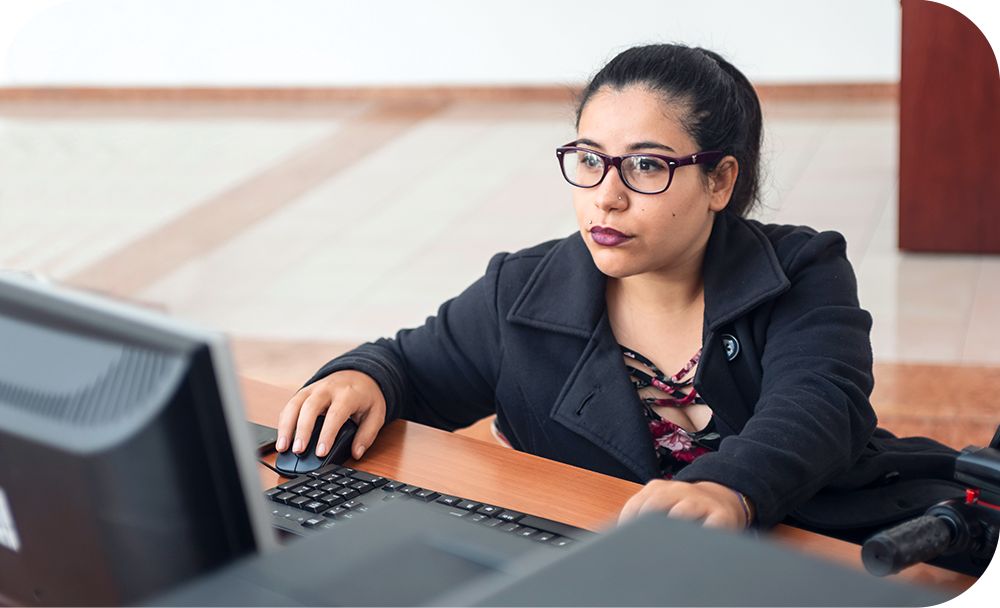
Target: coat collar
{"type": "Point", "coordinates": [565, 293]}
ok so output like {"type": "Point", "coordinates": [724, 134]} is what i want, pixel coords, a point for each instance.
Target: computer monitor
{"type": "Point", "coordinates": [126, 465]}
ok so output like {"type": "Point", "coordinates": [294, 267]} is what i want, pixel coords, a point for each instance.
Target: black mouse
{"type": "Point", "coordinates": [291, 464]}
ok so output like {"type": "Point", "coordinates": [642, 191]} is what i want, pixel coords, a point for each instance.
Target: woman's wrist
{"type": "Point", "coordinates": [747, 506]}
{"type": "Point", "coordinates": [739, 505]}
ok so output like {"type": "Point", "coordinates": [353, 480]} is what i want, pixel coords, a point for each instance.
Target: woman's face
{"type": "Point", "coordinates": [664, 231]}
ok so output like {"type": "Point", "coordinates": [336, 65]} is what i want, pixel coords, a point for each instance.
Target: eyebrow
{"type": "Point", "coordinates": [642, 145]}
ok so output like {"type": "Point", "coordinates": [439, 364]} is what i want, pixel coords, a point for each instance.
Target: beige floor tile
{"type": "Point", "coordinates": [937, 285]}
{"type": "Point", "coordinates": [359, 247]}
{"type": "Point", "coordinates": [920, 304]}
{"type": "Point", "coordinates": [982, 340]}
{"type": "Point", "coordinates": [115, 181]}
{"type": "Point", "coordinates": [885, 236]}
{"type": "Point", "coordinates": [923, 339]}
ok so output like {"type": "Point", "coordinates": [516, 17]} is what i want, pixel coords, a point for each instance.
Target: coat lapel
{"type": "Point", "coordinates": [599, 403]}
{"type": "Point", "coordinates": [741, 272]}
{"type": "Point", "coordinates": [565, 294]}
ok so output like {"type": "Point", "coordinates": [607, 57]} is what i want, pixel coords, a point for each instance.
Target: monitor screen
{"type": "Point", "coordinates": [125, 462]}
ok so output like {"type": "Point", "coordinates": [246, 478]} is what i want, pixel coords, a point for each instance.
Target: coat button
{"type": "Point", "coordinates": [731, 345]}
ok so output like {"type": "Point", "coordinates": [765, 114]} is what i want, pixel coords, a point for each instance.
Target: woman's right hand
{"type": "Point", "coordinates": [341, 395]}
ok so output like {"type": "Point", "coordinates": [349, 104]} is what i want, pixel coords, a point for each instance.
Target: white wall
{"type": "Point", "coordinates": [403, 42]}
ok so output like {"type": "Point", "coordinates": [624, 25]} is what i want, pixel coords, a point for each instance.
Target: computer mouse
{"type": "Point", "coordinates": [291, 464]}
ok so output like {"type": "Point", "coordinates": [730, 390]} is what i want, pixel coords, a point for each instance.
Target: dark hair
{"type": "Point", "coordinates": [719, 107]}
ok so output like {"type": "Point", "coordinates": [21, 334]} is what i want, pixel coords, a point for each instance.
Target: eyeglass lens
{"type": "Point", "coordinates": [643, 173]}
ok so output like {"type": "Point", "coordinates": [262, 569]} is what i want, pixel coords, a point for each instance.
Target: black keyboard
{"type": "Point", "coordinates": [334, 495]}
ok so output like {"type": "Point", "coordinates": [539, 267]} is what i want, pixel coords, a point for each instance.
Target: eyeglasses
{"type": "Point", "coordinates": [642, 173]}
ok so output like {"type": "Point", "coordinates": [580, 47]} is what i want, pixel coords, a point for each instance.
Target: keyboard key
{"type": "Point", "coordinates": [300, 490]}
{"type": "Point", "coordinates": [453, 511]}
{"type": "Point", "coordinates": [331, 499]}
{"type": "Point", "coordinates": [449, 500]}
{"type": "Point", "coordinates": [330, 487]}
{"type": "Point", "coordinates": [292, 483]}
{"type": "Point", "coordinates": [366, 477]}
{"type": "Point", "coordinates": [331, 477]}
{"type": "Point", "coordinates": [425, 495]}
{"type": "Point", "coordinates": [489, 522]}
{"type": "Point", "coordinates": [477, 517]}
{"type": "Point", "coordinates": [320, 472]}
{"type": "Point", "coordinates": [350, 504]}
{"type": "Point", "coordinates": [554, 527]}
{"type": "Point", "coordinates": [489, 510]}
{"type": "Point", "coordinates": [393, 486]}
{"type": "Point", "coordinates": [316, 506]}
{"type": "Point", "coordinates": [284, 497]}
{"type": "Point", "coordinates": [347, 493]}
{"type": "Point", "coordinates": [409, 489]}
{"type": "Point", "coordinates": [561, 541]}
{"type": "Point", "coordinates": [335, 513]}
{"type": "Point", "coordinates": [273, 492]}
{"type": "Point", "coordinates": [346, 471]}
{"type": "Point", "coordinates": [525, 531]}
{"type": "Point", "coordinates": [469, 505]}
{"type": "Point", "coordinates": [288, 516]}
{"type": "Point", "coordinates": [315, 494]}
{"type": "Point", "coordinates": [315, 483]}
{"type": "Point", "coordinates": [510, 515]}
{"type": "Point", "coordinates": [298, 501]}
{"type": "Point", "coordinates": [509, 527]}
{"type": "Point", "coordinates": [344, 481]}
{"type": "Point", "coordinates": [543, 537]}
{"type": "Point", "coordinates": [362, 486]}
{"type": "Point", "coordinates": [312, 522]}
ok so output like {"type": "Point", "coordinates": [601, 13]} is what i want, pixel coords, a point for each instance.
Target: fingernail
{"type": "Point", "coordinates": [282, 443]}
{"type": "Point", "coordinates": [321, 449]}
{"type": "Point", "coordinates": [361, 452]}
{"type": "Point", "coordinates": [298, 446]}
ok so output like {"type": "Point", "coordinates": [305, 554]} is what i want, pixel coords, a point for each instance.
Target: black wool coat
{"type": "Point", "coordinates": [786, 366]}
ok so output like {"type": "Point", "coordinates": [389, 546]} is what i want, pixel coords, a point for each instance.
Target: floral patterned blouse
{"type": "Point", "coordinates": [675, 447]}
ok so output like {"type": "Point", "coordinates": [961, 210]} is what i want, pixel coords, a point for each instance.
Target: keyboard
{"type": "Point", "coordinates": [334, 494]}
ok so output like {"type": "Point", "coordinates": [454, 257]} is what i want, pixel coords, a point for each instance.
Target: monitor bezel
{"type": "Point", "coordinates": [131, 323]}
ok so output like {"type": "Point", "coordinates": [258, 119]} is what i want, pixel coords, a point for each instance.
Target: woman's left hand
{"type": "Point", "coordinates": [712, 503]}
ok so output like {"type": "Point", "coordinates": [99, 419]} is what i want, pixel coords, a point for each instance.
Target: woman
{"type": "Point", "coordinates": [572, 343]}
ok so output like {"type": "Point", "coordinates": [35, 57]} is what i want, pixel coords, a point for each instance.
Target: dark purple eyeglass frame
{"type": "Point", "coordinates": [709, 156]}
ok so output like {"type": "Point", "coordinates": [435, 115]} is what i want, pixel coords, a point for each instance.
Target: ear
{"type": "Point", "coordinates": [721, 182]}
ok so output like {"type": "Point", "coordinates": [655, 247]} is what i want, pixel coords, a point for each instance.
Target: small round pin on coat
{"type": "Point", "coordinates": [732, 346]}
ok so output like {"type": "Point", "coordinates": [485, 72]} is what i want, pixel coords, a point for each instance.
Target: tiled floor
{"type": "Point", "coordinates": [302, 229]}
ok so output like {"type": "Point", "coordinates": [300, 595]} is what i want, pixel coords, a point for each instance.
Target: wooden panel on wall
{"type": "Point", "coordinates": [949, 182]}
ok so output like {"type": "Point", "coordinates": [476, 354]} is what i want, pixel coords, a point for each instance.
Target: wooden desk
{"type": "Point", "coordinates": [485, 472]}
